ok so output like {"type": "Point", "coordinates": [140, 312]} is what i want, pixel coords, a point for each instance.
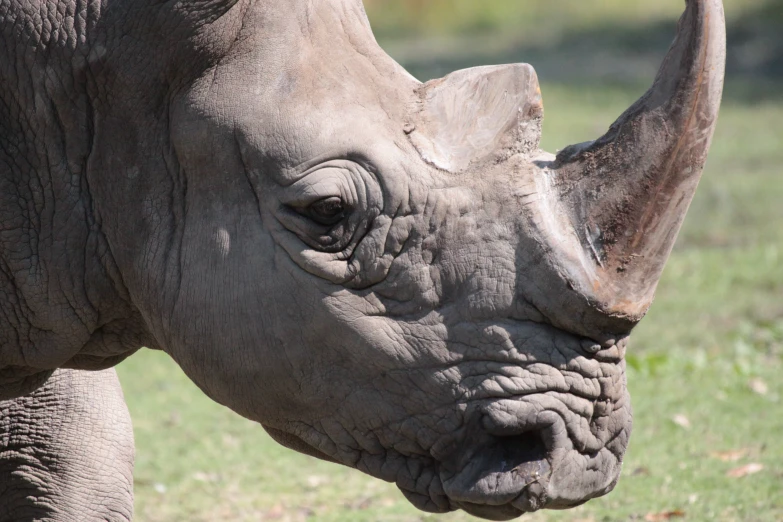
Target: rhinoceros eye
{"type": "Point", "coordinates": [328, 211]}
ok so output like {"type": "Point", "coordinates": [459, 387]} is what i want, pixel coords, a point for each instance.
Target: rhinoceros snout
{"type": "Point", "coordinates": [520, 455]}
{"type": "Point", "coordinates": [504, 477]}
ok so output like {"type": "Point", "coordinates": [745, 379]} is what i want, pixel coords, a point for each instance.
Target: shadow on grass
{"type": "Point", "coordinates": [611, 54]}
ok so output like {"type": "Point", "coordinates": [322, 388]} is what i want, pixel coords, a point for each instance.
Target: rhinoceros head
{"type": "Point", "coordinates": [388, 274]}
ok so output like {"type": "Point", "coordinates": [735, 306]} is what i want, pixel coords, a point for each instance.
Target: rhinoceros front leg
{"type": "Point", "coordinates": [66, 451]}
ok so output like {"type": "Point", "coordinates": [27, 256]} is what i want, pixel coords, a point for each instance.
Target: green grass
{"type": "Point", "coordinates": [714, 334]}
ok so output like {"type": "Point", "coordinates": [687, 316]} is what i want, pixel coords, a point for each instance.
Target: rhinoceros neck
{"type": "Point", "coordinates": [59, 295]}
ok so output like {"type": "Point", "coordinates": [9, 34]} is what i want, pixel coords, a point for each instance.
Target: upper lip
{"type": "Point", "coordinates": [495, 464]}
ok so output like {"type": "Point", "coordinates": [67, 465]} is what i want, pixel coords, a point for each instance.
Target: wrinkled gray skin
{"type": "Point", "coordinates": [66, 451]}
{"type": "Point", "coordinates": [384, 274]}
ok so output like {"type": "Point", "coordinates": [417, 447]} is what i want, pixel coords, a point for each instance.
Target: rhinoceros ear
{"type": "Point", "coordinates": [478, 114]}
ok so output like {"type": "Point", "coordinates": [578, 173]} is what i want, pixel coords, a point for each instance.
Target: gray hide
{"type": "Point", "coordinates": [386, 274]}
{"type": "Point", "coordinates": [66, 451]}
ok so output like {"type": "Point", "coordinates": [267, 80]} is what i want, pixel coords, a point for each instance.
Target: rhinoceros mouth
{"type": "Point", "coordinates": [496, 474]}
{"type": "Point", "coordinates": [506, 476]}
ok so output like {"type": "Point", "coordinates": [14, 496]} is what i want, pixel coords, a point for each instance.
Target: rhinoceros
{"type": "Point", "coordinates": [385, 274]}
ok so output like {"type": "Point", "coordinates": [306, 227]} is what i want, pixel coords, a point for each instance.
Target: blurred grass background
{"type": "Point", "coordinates": [706, 365]}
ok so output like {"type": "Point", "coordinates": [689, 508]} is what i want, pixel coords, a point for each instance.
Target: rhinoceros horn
{"type": "Point", "coordinates": [626, 194]}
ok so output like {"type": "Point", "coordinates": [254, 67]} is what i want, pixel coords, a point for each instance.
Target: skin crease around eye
{"type": "Point", "coordinates": [328, 208]}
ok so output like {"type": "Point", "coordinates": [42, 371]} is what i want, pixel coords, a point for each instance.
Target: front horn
{"type": "Point", "coordinates": [627, 193]}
